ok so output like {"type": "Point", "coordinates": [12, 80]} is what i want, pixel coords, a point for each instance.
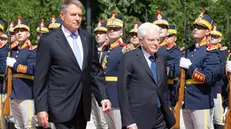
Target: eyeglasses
{"type": "Point", "coordinates": [162, 26]}
{"type": "Point", "coordinates": [215, 36]}
{"type": "Point", "coordinates": [114, 28]}
{"type": "Point", "coordinates": [100, 32]}
{"type": "Point", "coordinates": [20, 30]}
{"type": "Point", "coordinates": [170, 35]}
{"type": "Point", "coordinates": [199, 27]}
{"type": "Point", "coordinates": [2, 39]}
{"type": "Point", "coordinates": [12, 33]}
{"type": "Point", "coordinates": [133, 34]}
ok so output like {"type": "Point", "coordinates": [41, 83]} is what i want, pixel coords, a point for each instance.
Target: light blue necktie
{"type": "Point", "coordinates": [153, 69]}
{"type": "Point", "coordinates": [77, 50]}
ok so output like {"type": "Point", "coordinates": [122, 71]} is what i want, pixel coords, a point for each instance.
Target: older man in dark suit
{"type": "Point", "coordinates": [142, 84]}
{"type": "Point", "coordinates": [66, 71]}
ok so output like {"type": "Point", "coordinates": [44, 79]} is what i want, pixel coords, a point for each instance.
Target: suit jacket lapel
{"type": "Point", "coordinates": [85, 47]}
{"type": "Point", "coordinates": [143, 62]}
{"type": "Point", "coordinates": [61, 39]}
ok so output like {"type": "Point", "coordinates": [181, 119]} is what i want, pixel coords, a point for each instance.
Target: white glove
{"type": "Point", "coordinates": [224, 115]}
{"type": "Point", "coordinates": [185, 63]}
{"type": "Point", "coordinates": [10, 61]}
{"type": "Point", "coordinates": [228, 66]}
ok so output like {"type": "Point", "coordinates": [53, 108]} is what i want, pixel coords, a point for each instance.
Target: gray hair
{"type": "Point", "coordinates": [145, 27]}
{"type": "Point", "coordinates": [65, 3]}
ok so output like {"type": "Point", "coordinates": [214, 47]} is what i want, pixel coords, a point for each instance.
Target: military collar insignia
{"type": "Point", "coordinates": [170, 46]}
{"type": "Point", "coordinates": [116, 44]}
{"type": "Point", "coordinates": [14, 44]}
{"type": "Point", "coordinates": [202, 43]}
{"type": "Point", "coordinates": [25, 44]}
{"type": "Point", "coordinates": [211, 47]}
{"type": "Point", "coordinates": [163, 43]}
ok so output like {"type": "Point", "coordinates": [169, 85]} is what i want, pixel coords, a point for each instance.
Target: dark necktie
{"type": "Point", "coordinates": [153, 69]}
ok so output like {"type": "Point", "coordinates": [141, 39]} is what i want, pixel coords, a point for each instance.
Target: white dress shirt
{"type": "Point", "coordinates": [147, 55]}
{"type": "Point", "coordinates": [67, 34]}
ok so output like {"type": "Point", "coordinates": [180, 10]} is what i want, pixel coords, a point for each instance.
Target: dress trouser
{"type": "Point", "coordinates": [77, 122]}
{"type": "Point", "coordinates": [198, 119]}
{"type": "Point", "coordinates": [218, 111]}
{"type": "Point", "coordinates": [113, 119]}
{"type": "Point", "coordinates": [160, 122]}
{"type": "Point", "coordinates": [23, 113]}
{"type": "Point", "coordinates": [98, 115]}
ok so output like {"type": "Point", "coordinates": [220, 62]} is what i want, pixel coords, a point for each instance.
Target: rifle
{"type": "Point", "coordinates": [6, 106]}
{"type": "Point", "coordinates": [228, 114]}
{"type": "Point", "coordinates": [178, 105]}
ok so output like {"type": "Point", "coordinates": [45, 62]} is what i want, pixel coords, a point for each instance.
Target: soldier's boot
{"type": "Point", "coordinates": [218, 126]}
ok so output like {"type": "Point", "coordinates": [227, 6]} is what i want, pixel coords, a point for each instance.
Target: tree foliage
{"type": "Point", "coordinates": [130, 10]}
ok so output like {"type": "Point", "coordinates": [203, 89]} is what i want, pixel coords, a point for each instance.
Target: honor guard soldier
{"type": "Point", "coordinates": [1, 27]}
{"type": "Point", "coordinates": [133, 38]}
{"type": "Point", "coordinates": [201, 66]}
{"type": "Point", "coordinates": [215, 39]}
{"type": "Point", "coordinates": [100, 35]}
{"type": "Point", "coordinates": [54, 23]}
{"type": "Point", "coordinates": [110, 58]}
{"type": "Point", "coordinates": [168, 49]}
{"type": "Point", "coordinates": [22, 61]}
{"type": "Point", "coordinates": [173, 58]}
{"type": "Point", "coordinates": [97, 113]}
{"type": "Point", "coordinates": [161, 21]}
{"type": "Point", "coordinates": [3, 54]}
{"type": "Point", "coordinates": [42, 28]}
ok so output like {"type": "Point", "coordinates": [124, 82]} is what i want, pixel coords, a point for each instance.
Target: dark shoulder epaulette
{"type": "Point", "coordinates": [211, 47]}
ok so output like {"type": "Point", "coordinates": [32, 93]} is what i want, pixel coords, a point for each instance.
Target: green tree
{"type": "Point", "coordinates": [31, 10]}
{"type": "Point", "coordinates": [175, 11]}
{"type": "Point", "coordinates": [130, 10]}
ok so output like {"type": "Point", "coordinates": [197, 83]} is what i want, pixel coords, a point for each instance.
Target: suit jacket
{"type": "Point", "coordinates": [59, 83]}
{"type": "Point", "coordinates": [138, 91]}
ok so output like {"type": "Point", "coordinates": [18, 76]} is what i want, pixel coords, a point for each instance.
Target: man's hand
{"type": "Point", "coordinates": [133, 126]}
{"type": "Point", "coordinates": [185, 63]}
{"type": "Point", "coordinates": [228, 66]}
{"type": "Point", "coordinates": [10, 61]}
{"type": "Point", "coordinates": [43, 119]}
{"type": "Point", "coordinates": [106, 105]}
